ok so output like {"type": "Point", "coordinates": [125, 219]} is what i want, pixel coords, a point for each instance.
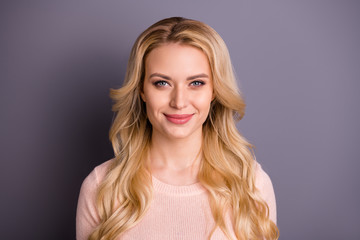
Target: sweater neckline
{"type": "Point", "coordinates": [192, 189]}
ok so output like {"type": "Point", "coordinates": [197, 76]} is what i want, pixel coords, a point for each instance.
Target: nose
{"type": "Point", "coordinates": [179, 98]}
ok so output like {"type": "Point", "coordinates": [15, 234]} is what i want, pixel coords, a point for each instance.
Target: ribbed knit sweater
{"type": "Point", "coordinates": [176, 212]}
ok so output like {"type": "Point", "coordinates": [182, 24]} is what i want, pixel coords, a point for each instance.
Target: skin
{"type": "Point", "coordinates": [178, 91]}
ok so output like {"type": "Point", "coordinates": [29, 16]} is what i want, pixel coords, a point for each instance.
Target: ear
{"type": "Point", "coordinates": [213, 96]}
{"type": "Point", "coordinates": [142, 95]}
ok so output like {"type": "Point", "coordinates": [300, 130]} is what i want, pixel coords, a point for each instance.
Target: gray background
{"type": "Point", "coordinates": [297, 64]}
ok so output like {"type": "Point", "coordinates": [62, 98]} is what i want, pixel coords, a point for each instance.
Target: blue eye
{"type": "Point", "coordinates": [160, 83]}
{"type": "Point", "coordinates": [197, 83]}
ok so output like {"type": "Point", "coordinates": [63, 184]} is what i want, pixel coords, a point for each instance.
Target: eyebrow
{"type": "Point", "coordinates": [160, 75]}
{"type": "Point", "coordinates": [202, 75]}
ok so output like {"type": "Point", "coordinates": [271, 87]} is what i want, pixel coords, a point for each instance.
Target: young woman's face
{"type": "Point", "coordinates": [177, 90]}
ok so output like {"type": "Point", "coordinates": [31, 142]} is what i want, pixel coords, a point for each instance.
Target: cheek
{"type": "Point", "coordinates": [204, 101]}
{"type": "Point", "coordinates": [154, 104]}
{"type": "Point", "coordinates": [157, 98]}
{"type": "Point", "coordinates": [150, 113]}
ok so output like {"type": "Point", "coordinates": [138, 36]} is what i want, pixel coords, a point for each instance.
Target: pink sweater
{"type": "Point", "coordinates": [176, 212]}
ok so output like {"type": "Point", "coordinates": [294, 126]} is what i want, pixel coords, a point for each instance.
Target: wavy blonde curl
{"type": "Point", "coordinates": [227, 169]}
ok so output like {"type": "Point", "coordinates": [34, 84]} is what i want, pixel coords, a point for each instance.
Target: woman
{"type": "Point", "coordinates": [181, 169]}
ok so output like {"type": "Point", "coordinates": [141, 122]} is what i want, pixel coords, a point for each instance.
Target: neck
{"type": "Point", "coordinates": [175, 161]}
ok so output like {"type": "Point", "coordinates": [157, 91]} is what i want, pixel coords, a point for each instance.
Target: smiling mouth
{"type": "Point", "coordinates": [178, 118]}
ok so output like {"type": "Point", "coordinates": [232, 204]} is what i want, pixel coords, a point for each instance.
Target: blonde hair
{"type": "Point", "coordinates": [227, 167]}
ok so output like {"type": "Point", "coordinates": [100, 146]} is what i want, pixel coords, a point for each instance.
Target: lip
{"type": "Point", "coordinates": [178, 118]}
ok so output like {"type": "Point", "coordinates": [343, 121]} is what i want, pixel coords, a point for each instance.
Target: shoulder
{"type": "Point", "coordinates": [87, 217]}
{"type": "Point", "coordinates": [265, 187]}
{"type": "Point", "coordinates": [91, 183]}
{"type": "Point", "coordinates": [97, 175]}
{"type": "Point", "coordinates": [263, 180]}
{"type": "Point", "coordinates": [101, 170]}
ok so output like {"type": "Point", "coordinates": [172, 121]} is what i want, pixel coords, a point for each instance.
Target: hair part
{"type": "Point", "coordinates": [227, 167]}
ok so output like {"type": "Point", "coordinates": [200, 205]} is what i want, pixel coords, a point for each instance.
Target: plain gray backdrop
{"type": "Point", "coordinates": [297, 63]}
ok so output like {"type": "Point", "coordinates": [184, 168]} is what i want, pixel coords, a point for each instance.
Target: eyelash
{"type": "Point", "coordinates": [199, 83]}
{"type": "Point", "coordinates": [157, 83]}
{"type": "Point", "coordinates": [162, 83]}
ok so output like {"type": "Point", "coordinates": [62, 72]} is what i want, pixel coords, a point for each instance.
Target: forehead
{"type": "Point", "coordinates": [174, 56]}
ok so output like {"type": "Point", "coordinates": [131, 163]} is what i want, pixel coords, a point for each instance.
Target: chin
{"type": "Point", "coordinates": [180, 134]}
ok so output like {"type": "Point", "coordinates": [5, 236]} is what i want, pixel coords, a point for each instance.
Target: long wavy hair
{"type": "Point", "coordinates": [227, 166]}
